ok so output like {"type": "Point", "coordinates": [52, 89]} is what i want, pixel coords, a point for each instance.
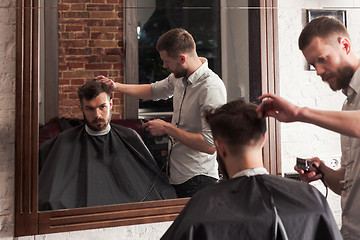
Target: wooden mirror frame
{"type": "Point", "coordinates": [28, 220]}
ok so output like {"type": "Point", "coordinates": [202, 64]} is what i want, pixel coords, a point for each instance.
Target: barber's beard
{"type": "Point", "coordinates": [98, 124]}
{"type": "Point", "coordinates": [222, 167]}
{"type": "Point", "coordinates": [343, 77]}
{"type": "Point", "coordinates": [180, 74]}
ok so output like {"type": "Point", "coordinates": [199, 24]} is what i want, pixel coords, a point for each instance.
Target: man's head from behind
{"type": "Point", "coordinates": [96, 104]}
{"type": "Point", "coordinates": [174, 47]}
{"type": "Point", "coordinates": [325, 44]}
{"type": "Point", "coordinates": [236, 126]}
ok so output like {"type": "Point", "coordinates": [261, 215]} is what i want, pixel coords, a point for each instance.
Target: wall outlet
{"type": "Point", "coordinates": [332, 162]}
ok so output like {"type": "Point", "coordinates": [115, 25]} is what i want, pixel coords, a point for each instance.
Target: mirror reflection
{"type": "Point", "coordinates": [94, 163]}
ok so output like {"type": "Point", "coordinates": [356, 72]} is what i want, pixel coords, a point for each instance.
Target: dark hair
{"type": "Point", "coordinates": [92, 89]}
{"type": "Point", "coordinates": [176, 41]}
{"type": "Point", "coordinates": [236, 123]}
{"type": "Point", "coordinates": [322, 27]}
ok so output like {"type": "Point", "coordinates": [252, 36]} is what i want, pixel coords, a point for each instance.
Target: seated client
{"type": "Point", "coordinates": [98, 163]}
{"type": "Point", "coordinates": [252, 204]}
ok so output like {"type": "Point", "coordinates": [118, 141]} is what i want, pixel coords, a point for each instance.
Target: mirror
{"type": "Point", "coordinates": [28, 220]}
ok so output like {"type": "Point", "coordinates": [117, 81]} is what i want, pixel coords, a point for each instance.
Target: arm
{"type": "Point", "coordinates": [332, 177]}
{"type": "Point", "coordinates": [194, 141]}
{"type": "Point", "coordinates": [141, 91]}
{"type": "Point", "coordinates": [285, 111]}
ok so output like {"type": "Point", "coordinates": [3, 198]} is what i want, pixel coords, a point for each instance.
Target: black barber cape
{"type": "Point", "coordinates": [245, 208]}
{"type": "Point", "coordinates": [80, 170]}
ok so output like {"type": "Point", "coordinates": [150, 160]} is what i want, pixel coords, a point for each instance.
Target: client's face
{"type": "Point", "coordinates": [97, 112]}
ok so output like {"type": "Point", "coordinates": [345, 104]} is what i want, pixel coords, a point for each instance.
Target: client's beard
{"type": "Point", "coordinates": [98, 124]}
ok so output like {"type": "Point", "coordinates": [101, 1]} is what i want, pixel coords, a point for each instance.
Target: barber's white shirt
{"type": "Point", "coordinates": [201, 91]}
{"type": "Point", "coordinates": [350, 161]}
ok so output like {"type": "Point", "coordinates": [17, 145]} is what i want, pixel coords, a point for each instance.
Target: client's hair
{"type": "Point", "coordinates": [92, 89]}
{"type": "Point", "coordinates": [237, 124]}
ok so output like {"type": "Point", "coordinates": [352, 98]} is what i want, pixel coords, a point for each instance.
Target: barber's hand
{"type": "Point", "coordinates": [310, 176]}
{"type": "Point", "coordinates": [278, 108]}
{"type": "Point", "coordinates": [156, 127]}
{"type": "Point", "coordinates": [107, 81]}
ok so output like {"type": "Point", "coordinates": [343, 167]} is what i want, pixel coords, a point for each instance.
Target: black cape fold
{"type": "Point", "coordinates": [242, 208]}
{"type": "Point", "coordinates": [79, 170]}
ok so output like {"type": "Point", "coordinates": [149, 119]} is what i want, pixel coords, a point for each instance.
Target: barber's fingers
{"type": "Point", "coordinates": [106, 80]}
{"type": "Point", "coordinates": [308, 176]}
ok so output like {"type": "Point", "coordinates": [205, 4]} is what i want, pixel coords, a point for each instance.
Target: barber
{"type": "Point", "coordinates": [195, 88]}
{"type": "Point", "coordinates": [326, 45]}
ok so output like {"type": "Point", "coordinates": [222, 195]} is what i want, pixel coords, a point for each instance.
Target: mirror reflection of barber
{"type": "Point", "coordinates": [194, 88]}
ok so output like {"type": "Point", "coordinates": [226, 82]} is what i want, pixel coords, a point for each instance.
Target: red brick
{"type": "Point", "coordinates": [113, 73]}
{"type": "Point", "coordinates": [107, 36]}
{"type": "Point", "coordinates": [64, 81]}
{"type": "Point", "coordinates": [62, 67]}
{"type": "Point", "coordinates": [112, 58]}
{"type": "Point", "coordinates": [76, 74]}
{"type": "Point", "coordinates": [79, 6]}
{"type": "Point", "coordinates": [113, 51]}
{"type": "Point", "coordinates": [76, 65]}
{"type": "Point", "coordinates": [62, 96]}
{"type": "Point", "coordinates": [118, 66]}
{"type": "Point", "coordinates": [97, 1]}
{"type": "Point", "coordinates": [73, 43]}
{"type": "Point", "coordinates": [77, 82]}
{"type": "Point", "coordinates": [63, 7]}
{"type": "Point", "coordinates": [104, 29]}
{"type": "Point", "coordinates": [102, 14]}
{"type": "Point", "coordinates": [78, 51]}
{"type": "Point", "coordinates": [72, 28]}
{"type": "Point", "coordinates": [94, 22]}
{"type": "Point", "coordinates": [93, 58]}
{"type": "Point", "coordinates": [97, 66]}
{"type": "Point", "coordinates": [113, 22]}
{"type": "Point", "coordinates": [64, 35]}
{"type": "Point", "coordinates": [70, 102]}
{"type": "Point", "coordinates": [81, 59]}
{"type": "Point", "coordinates": [102, 43]}
{"type": "Point", "coordinates": [99, 51]}
{"type": "Point", "coordinates": [75, 1]}
{"type": "Point", "coordinates": [79, 35]}
{"type": "Point", "coordinates": [69, 89]}
{"type": "Point", "coordinates": [113, 1]}
{"type": "Point", "coordinates": [76, 15]}
{"type": "Point", "coordinates": [100, 7]}
{"type": "Point", "coordinates": [99, 72]}
{"type": "Point", "coordinates": [73, 96]}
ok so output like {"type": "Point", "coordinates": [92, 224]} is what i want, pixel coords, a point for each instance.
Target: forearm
{"type": "Point", "coordinates": [140, 91]}
{"type": "Point", "coordinates": [333, 178]}
{"type": "Point", "coordinates": [192, 140]}
{"type": "Point", "coordinates": [343, 122]}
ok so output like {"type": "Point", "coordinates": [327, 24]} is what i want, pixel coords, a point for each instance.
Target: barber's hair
{"type": "Point", "coordinates": [92, 89]}
{"type": "Point", "coordinates": [175, 42]}
{"type": "Point", "coordinates": [236, 124]}
{"type": "Point", "coordinates": [322, 27]}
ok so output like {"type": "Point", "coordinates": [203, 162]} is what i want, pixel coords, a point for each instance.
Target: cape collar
{"type": "Point", "coordinates": [251, 172]}
{"type": "Point", "coordinates": [98, 133]}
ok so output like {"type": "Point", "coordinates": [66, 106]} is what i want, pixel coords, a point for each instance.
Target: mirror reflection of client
{"type": "Point", "coordinates": [98, 163]}
{"type": "Point", "coordinates": [252, 204]}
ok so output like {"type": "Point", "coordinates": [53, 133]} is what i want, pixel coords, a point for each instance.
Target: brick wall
{"type": "Point", "coordinates": [90, 43]}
